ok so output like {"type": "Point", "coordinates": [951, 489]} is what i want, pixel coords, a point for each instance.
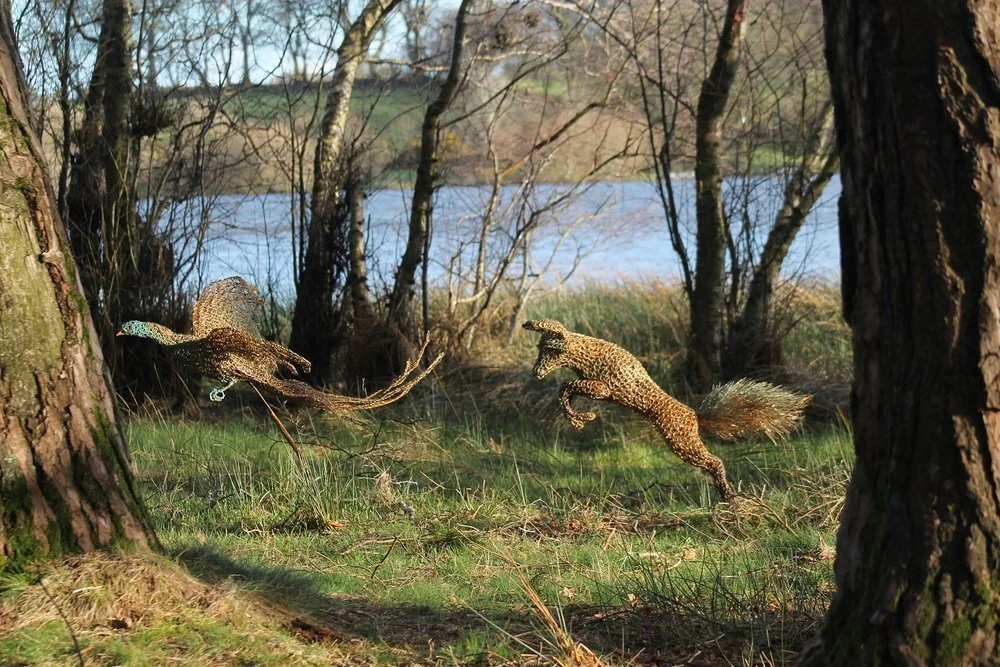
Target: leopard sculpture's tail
{"type": "Point", "coordinates": [743, 407]}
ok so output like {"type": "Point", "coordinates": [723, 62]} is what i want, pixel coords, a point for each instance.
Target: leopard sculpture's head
{"type": "Point", "coordinates": [552, 348]}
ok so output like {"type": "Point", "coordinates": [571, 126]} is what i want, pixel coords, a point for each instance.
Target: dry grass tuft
{"type": "Point", "coordinates": [571, 652]}
{"type": "Point", "coordinates": [102, 595]}
{"type": "Point", "coordinates": [555, 644]}
{"type": "Point", "coordinates": [106, 590]}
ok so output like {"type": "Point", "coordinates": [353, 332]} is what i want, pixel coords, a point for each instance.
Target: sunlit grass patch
{"type": "Point", "coordinates": [143, 609]}
{"type": "Point", "coordinates": [401, 517]}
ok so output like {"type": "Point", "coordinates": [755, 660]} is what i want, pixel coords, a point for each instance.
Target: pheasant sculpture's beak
{"type": "Point", "coordinates": [127, 329]}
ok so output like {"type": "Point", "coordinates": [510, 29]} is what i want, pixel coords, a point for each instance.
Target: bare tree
{"type": "Point", "coordinates": [919, 541]}
{"type": "Point", "coordinates": [691, 82]}
{"type": "Point", "coordinates": [520, 210]}
{"type": "Point", "coordinates": [126, 266]}
{"type": "Point", "coordinates": [754, 344]}
{"type": "Point", "coordinates": [704, 357]}
{"type": "Point", "coordinates": [64, 471]}
{"type": "Point", "coordinates": [403, 291]}
{"type": "Point", "coordinates": [416, 17]}
{"type": "Point", "coordinates": [246, 19]}
{"type": "Point", "coordinates": [100, 208]}
{"type": "Point", "coordinates": [325, 251]}
{"type": "Point", "coordinates": [781, 157]}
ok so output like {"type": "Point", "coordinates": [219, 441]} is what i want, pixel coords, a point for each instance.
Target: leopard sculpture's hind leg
{"type": "Point", "coordinates": [679, 427]}
{"type": "Point", "coordinates": [676, 422]}
{"type": "Point", "coordinates": [693, 451]}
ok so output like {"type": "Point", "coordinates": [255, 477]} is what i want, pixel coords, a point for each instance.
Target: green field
{"type": "Point", "coordinates": [468, 525]}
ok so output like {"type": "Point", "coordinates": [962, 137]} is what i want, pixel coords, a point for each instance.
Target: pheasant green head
{"type": "Point", "coordinates": [136, 328]}
{"type": "Point", "coordinates": [157, 332]}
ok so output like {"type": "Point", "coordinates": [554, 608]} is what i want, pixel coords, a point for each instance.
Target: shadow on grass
{"type": "Point", "coordinates": [319, 616]}
{"type": "Point", "coordinates": [635, 634]}
{"type": "Point", "coordinates": [656, 636]}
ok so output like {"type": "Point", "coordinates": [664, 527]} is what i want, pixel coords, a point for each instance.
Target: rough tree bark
{"type": "Point", "coordinates": [753, 344]}
{"type": "Point", "coordinates": [404, 285]}
{"type": "Point", "coordinates": [313, 321]}
{"type": "Point", "coordinates": [705, 346]}
{"type": "Point", "coordinates": [64, 473]}
{"type": "Point", "coordinates": [917, 92]}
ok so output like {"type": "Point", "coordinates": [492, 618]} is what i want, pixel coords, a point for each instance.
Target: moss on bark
{"type": "Point", "coordinates": [62, 458]}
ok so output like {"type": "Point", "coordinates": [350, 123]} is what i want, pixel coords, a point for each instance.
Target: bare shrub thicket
{"type": "Point", "coordinates": [329, 101]}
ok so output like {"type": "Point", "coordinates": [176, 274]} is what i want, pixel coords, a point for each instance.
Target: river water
{"type": "Point", "coordinates": [611, 232]}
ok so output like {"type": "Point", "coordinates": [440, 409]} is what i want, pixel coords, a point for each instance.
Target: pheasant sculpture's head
{"type": "Point", "coordinates": [134, 328]}
{"type": "Point", "coordinates": [552, 348]}
{"type": "Point", "coordinates": [157, 332]}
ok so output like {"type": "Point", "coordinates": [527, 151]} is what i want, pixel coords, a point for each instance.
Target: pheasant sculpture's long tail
{"type": "Point", "coordinates": [339, 404]}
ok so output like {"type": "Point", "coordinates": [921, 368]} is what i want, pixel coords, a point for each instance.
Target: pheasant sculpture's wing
{"type": "Point", "coordinates": [230, 302]}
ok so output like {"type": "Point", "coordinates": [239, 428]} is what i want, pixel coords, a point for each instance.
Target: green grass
{"type": "Point", "coordinates": [265, 103]}
{"type": "Point", "coordinates": [427, 523]}
{"type": "Point", "coordinates": [402, 534]}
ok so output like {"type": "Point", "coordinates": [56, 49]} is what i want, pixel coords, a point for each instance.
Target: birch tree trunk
{"type": "Point", "coordinates": [917, 92]}
{"type": "Point", "coordinates": [314, 317]}
{"type": "Point", "coordinates": [357, 274]}
{"type": "Point", "coordinates": [65, 482]}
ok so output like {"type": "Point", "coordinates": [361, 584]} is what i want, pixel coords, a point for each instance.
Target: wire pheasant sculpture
{"type": "Point", "coordinates": [226, 344]}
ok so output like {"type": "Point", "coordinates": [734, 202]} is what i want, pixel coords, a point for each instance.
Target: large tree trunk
{"type": "Point", "coordinates": [404, 285]}
{"type": "Point", "coordinates": [65, 483]}
{"type": "Point", "coordinates": [754, 345]}
{"type": "Point", "coordinates": [705, 345]}
{"type": "Point", "coordinates": [918, 115]}
{"type": "Point", "coordinates": [314, 318]}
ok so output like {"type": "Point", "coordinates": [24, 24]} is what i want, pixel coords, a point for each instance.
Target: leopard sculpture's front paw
{"type": "Point", "coordinates": [579, 419]}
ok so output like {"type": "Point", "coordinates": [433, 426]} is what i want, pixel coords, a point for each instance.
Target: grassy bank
{"type": "Point", "coordinates": [461, 527]}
